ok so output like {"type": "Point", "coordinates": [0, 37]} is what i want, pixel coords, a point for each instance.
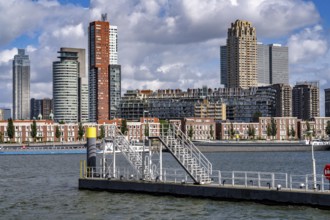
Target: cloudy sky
{"type": "Point", "coordinates": [162, 43]}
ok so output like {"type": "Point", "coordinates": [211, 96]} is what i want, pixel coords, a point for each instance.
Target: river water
{"type": "Point", "coordinates": [46, 187]}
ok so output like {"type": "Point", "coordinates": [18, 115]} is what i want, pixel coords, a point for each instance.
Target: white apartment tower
{"type": "Point", "coordinates": [65, 87]}
{"type": "Point", "coordinates": [113, 48]}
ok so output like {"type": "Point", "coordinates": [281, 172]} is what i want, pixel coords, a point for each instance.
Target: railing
{"type": "Point", "coordinates": [242, 179]}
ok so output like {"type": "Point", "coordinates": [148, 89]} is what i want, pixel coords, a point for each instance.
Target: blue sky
{"type": "Point", "coordinates": [162, 43]}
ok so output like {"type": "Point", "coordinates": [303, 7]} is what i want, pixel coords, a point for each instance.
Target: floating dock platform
{"type": "Point", "coordinates": [213, 191]}
{"type": "Point", "coordinates": [195, 178]}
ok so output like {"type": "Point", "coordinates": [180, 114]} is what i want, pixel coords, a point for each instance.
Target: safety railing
{"type": "Point", "coordinates": [245, 179]}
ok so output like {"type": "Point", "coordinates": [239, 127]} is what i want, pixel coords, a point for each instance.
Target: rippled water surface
{"type": "Point", "coordinates": [46, 187]}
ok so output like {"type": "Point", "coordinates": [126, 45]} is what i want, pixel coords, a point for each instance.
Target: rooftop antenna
{"type": "Point", "coordinates": [104, 17]}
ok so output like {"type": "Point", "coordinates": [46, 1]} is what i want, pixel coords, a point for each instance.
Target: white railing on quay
{"type": "Point", "coordinates": [245, 179]}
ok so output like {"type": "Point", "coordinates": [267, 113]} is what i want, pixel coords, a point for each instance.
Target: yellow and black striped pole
{"type": "Point", "coordinates": [91, 150]}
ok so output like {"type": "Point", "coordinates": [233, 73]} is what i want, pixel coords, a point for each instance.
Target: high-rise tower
{"type": "Point", "coordinates": [242, 55]}
{"type": "Point", "coordinates": [305, 100]}
{"type": "Point", "coordinates": [273, 64]}
{"type": "Point", "coordinates": [21, 85]}
{"type": "Point", "coordinates": [82, 83]}
{"type": "Point", "coordinates": [65, 87]}
{"type": "Point", "coordinates": [113, 38]}
{"type": "Point", "coordinates": [98, 77]}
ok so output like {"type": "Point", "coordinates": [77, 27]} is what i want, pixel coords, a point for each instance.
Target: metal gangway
{"type": "Point", "coordinates": [148, 165]}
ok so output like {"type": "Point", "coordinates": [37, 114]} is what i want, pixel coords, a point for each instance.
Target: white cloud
{"type": "Point", "coordinates": [162, 43]}
{"type": "Point", "coordinates": [307, 45]}
{"type": "Point", "coordinates": [7, 55]}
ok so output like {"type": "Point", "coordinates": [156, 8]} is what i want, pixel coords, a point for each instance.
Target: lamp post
{"type": "Point", "coordinates": [143, 153]}
{"type": "Point", "coordinates": [313, 158]}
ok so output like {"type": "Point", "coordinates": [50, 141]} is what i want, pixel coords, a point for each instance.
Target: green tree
{"type": "Point", "coordinates": [211, 132]}
{"type": "Point", "coordinates": [327, 128]}
{"type": "Point", "coordinates": [190, 132]}
{"type": "Point", "coordinates": [164, 126]}
{"type": "Point", "coordinates": [10, 129]}
{"type": "Point", "coordinates": [269, 130]}
{"type": "Point", "coordinates": [123, 127]}
{"type": "Point", "coordinates": [102, 132]}
{"type": "Point", "coordinates": [256, 116]}
{"type": "Point", "coordinates": [1, 137]}
{"type": "Point", "coordinates": [81, 131]}
{"type": "Point", "coordinates": [273, 127]}
{"type": "Point", "coordinates": [146, 130]}
{"type": "Point", "coordinates": [62, 122]}
{"type": "Point", "coordinates": [57, 133]}
{"type": "Point", "coordinates": [251, 131]}
{"type": "Point", "coordinates": [292, 132]}
{"type": "Point", "coordinates": [308, 130]}
{"type": "Point", "coordinates": [288, 131]}
{"type": "Point", "coordinates": [34, 130]}
{"type": "Point", "coordinates": [231, 131]}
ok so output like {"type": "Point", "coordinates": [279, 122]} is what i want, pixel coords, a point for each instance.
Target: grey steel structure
{"type": "Point", "coordinates": [21, 86]}
{"type": "Point", "coordinates": [115, 90]}
{"type": "Point", "coordinates": [65, 87]}
{"type": "Point", "coordinates": [305, 100]}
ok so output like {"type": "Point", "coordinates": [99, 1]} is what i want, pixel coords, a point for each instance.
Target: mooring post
{"type": "Point", "coordinates": [91, 150]}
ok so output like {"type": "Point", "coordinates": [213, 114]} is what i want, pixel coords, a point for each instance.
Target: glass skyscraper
{"type": "Point", "coordinates": [21, 86]}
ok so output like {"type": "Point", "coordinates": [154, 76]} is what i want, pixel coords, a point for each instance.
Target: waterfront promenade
{"type": "Point", "coordinates": [211, 146]}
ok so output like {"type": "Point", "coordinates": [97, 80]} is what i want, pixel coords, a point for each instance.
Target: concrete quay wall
{"type": "Point", "coordinates": [257, 147]}
{"type": "Point", "coordinates": [260, 195]}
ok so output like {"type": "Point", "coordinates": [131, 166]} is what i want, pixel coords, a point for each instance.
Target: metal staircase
{"type": "Point", "coordinates": [186, 153]}
{"type": "Point", "coordinates": [122, 144]}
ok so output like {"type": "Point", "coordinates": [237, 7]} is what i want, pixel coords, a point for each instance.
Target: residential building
{"type": "Point", "coordinates": [263, 65]}
{"type": "Point", "coordinates": [240, 104]}
{"type": "Point", "coordinates": [46, 130]}
{"type": "Point", "coordinates": [83, 99]}
{"type": "Point", "coordinates": [278, 64]}
{"type": "Point", "coordinates": [199, 128]}
{"type": "Point", "coordinates": [327, 102]}
{"type": "Point", "coordinates": [115, 90]}
{"type": "Point", "coordinates": [98, 78]}
{"type": "Point", "coordinates": [65, 87]}
{"type": "Point", "coordinates": [305, 100]}
{"type": "Point", "coordinates": [242, 55]}
{"type": "Point", "coordinates": [21, 85]}
{"type": "Point", "coordinates": [138, 130]}
{"type": "Point", "coordinates": [223, 66]}
{"type": "Point", "coordinates": [207, 109]}
{"type": "Point", "coordinates": [82, 83]}
{"type": "Point", "coordinates": [113, 47]}
{"type": "Point", "coordinates": [5, 113]}
{"type": "Point", "coordinates": [41, 108]}
{"type": "Point", "coordinates": [283, 100]}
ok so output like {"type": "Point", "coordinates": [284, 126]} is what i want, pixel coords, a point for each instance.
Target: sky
{"type": "Point", "coordinates": [163, 44]}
